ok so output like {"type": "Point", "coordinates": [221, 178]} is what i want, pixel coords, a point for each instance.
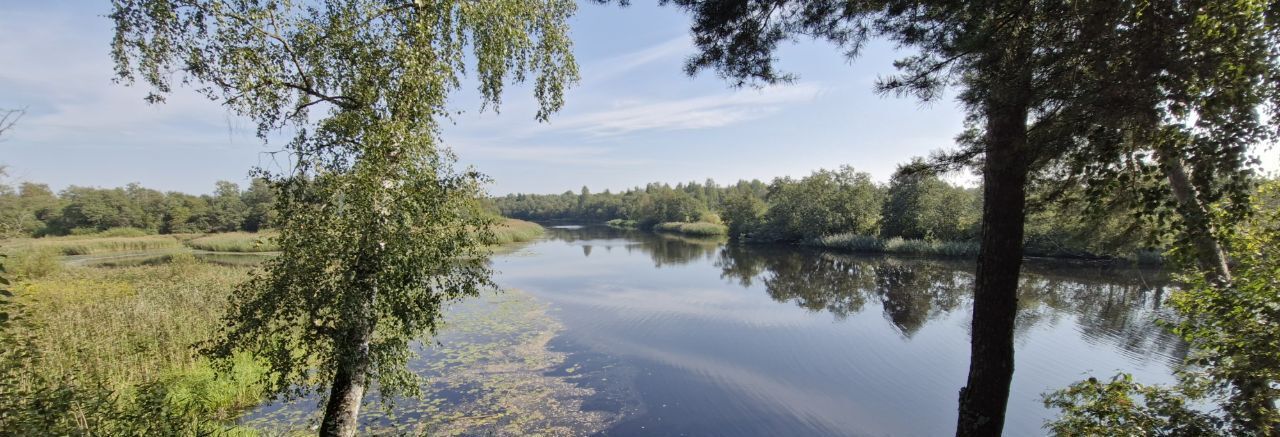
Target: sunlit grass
{"type": "Point", "coordinates": [701, 229]}
{"type": "Point", "coordinates": [896, 245]}
{"type": "Point", "coordinates": [516, 231]}
{"type": "Point", "coordinates": [91, 244]}
{"type": "Point", "coordinates": [235, 242]}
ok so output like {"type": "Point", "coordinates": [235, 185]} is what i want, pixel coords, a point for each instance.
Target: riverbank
{"type": "Point", "coordinates": [962, 249]}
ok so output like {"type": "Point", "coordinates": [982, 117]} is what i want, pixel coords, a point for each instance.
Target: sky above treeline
{"type": "Point", "coordinates": [635, 117]}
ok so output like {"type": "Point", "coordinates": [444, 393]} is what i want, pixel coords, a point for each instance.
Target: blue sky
{"type": "Point", "coordinates": [634, 118]}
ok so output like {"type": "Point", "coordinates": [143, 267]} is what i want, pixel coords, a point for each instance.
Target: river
{"type": "Point", "coordinates": [646, 334]}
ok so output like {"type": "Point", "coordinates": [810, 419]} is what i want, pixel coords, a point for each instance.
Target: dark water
{"type": "Point", "coordinates": [740, 341]}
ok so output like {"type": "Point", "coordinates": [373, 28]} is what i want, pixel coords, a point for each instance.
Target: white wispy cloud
{"type": "Point", "coordinates": [689, 113]}
{"type": "Point", "coordinates": [609, 68]}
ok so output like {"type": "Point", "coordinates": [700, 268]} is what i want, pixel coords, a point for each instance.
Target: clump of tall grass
{"type": "Point", "coordinates": [33, 264]}
{"type": "Point", "coordinates": [516, 231]}
{"type": "Point", "coordinates": [700, 229]}
{"type": "Point", "coordinates": [115, 346]}
{"type": "Point", "coordinates": [235, 242]}
{"type": "Point", "coordinates": [896, 245]}
{"type": "Point", "coordinates": [93, 244]}
{"type": "Point", "coordinates": [623, 223]}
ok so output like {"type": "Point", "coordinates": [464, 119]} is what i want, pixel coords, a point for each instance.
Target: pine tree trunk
{"type": "Point", "coordinates": [995, 298]}
{"type": "Point", "coordinates": [342, 412]}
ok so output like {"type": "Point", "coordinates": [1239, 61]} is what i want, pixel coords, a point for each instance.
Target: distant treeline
{"type": "Point", "coordinates": [913, 205]}
{"type": "Point", "coordinates": [32, 209]}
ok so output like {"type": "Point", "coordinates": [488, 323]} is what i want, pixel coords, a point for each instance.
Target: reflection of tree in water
{"type": "Point", "coordinates": [663, 249]}
{"type": "Point", "coordinates": [1119, 306]}
{"type": "Point", "coordinates": [814, 282]}
{"type": "Point", "coordinates": [1116, 305]}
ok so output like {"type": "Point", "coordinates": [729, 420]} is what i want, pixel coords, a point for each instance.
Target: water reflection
{"type": "Point", "coordinates": [778, 340]}
{"type": "Point", "coordinates": [1111, 302]}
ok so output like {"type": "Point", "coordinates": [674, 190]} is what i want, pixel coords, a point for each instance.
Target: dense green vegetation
{"type": "Point", "coordinates": [916, 212]}
{"type": "Point", "coordinates": [1234, 360]}
{"type": "Point", "coordinates": [33, 209]}
{"type": "Point", "coordinates": [111, 351]}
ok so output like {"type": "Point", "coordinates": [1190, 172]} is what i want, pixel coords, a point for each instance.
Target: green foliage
{"type": "Point", "coordinates": [1234, 359]}
{"type": "Point", "coordinates": [918, 205]}
{"type": "Point", "coordinates": [744, 213]}
{"type": "Point", "coordinates": [1124, 407]}
{"type": "Point", "coordinates": [34, 210]}
{"type": "Point", "coordinates": [824, 203]}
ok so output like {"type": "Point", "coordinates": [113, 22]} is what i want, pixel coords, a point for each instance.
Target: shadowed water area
{"type": "Point", "coordinates": [632, 333]}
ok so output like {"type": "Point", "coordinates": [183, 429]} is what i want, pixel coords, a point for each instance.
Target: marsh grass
{"type": "Point", "coordinates": [92, 244]}
{"type": "Point", "coordinates": [896, 245]}
{"type": "Point", "coordinates": [516, 231]}
{"type": "Point", "coordinates": [623, 223]}
{"type": "Point", "coordinates": [699, 229]}
{"type": "Point", "coordinates": [235, 242]}
{"type": "Point", "coordinates": [121, 343]}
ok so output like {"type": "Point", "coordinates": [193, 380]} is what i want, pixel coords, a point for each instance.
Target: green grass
{"type": "Point", "coordinates": [516, 231]}
{"type": "Point", "coordinates": [92, 244]}
{"type": "Point", "coordinates": [119, 345]}
{"type": "Point", "coordinates": [235, 242]}
{"type": "Point", "coordinates": [700, 229]}
{"type": "Point", "coordinates": [896, 245]}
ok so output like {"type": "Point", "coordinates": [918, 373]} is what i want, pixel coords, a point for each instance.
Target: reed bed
{"type": "Point", "coordinates": [699, 229]}
{"type": "Point", "coordinates": [516, 231]}
{"type": "Point", "coordinates": [235, 242]}
{"type": "Point", "coordinates": [92, 244]}
{"type": "Point", "coordinates": [896, 245]}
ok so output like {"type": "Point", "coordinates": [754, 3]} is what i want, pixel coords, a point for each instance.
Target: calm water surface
{"type": "Point", "coordinates": [716, 339]}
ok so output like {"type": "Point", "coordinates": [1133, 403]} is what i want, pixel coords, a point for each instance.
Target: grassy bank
{"type": "Point", "coordinates": [510, 230]}
{"type": "Point", "coordinates": [236, 242]}
{"type": "Point", "coordinates": [957, 249]}
{"type": "Point", "coordinates": [92, 244]}
{"type": "Point", "coordinates": [873, 244]}
{"type": "Point", "coordinates": [698, 229]}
